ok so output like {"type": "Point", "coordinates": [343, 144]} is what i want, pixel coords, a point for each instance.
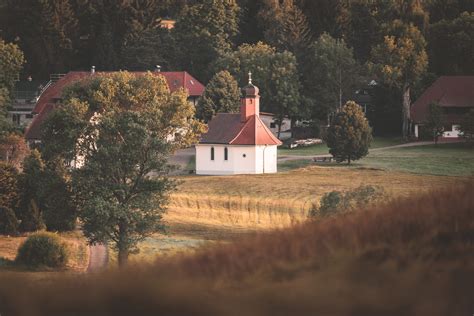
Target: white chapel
{"type": "Point", "coordinates": [238, 143]}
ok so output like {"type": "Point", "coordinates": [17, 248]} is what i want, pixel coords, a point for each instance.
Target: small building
{"type": "Point", "coordinates": [25, 95]}
{"type": "Point", "coordinates": [270, 121]}
{"type": "Point", "coordinates": [238, 143]}
{"type": "Point", "coordinates": [455, 95]}
{"type": "Point", "coordinates": [51, 96]}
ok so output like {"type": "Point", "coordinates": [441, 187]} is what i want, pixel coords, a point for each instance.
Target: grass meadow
{"type": "Point", "coordinates": [410, 256]}
{"type": "Point", "coordinates": [223, 208]}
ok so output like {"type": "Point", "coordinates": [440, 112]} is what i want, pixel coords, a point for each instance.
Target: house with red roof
{"type": "Point", "coordinates": [455, 95]}
{"type": "Point", "coordinates": [238, 143]}
{"type": "Point", "coordinates": [51, 97]}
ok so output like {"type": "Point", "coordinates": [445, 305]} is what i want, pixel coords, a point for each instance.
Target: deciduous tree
{"type": "Point", "coordinates": [274, 73]}
{"type": "Point", "coordinates": [349, 134]}
{"type": "Point", "coordinates": [400, 61]}
{"type": "Point", "coordinates": [450, 46]}
{"type": "Point", "coordinates": [13, 149]}
{"type": "Point", "coordinates": [331, 76]}
{"type": "Point", "coordinates": [120, 136]}
{"type": "Point", "coordinates": [11, 63]}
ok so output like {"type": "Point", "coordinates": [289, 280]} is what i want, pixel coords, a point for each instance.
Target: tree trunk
{"type": "Point", "coordinates": [349, 160]}
{"type": "Point", "coordinates": [122, 257]}
{"type": "Point", "coordinates": [279, 129]}
{"type": "Point", "coordinates": [340, 89]}
{"type": "Point", "coordinates": [406, 112]}
{"type": "Point", "coordinates": [123, 245]}
{"type": "Point", "coordinates": [292, 127]}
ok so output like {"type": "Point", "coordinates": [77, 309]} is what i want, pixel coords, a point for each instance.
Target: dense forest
{"type": "Point", "coordinates": [307, 56]}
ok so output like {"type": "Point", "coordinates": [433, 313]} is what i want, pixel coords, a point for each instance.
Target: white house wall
{"type": "Point", "coordinates": [258, 159]}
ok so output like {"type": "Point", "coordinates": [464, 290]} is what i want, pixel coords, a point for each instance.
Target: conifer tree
{"type": "Point", "coordinates": [147, 49]}
{"type": "Point", "coordinates": [31, 185]}
{"type": "Point", "coordinates": [286, 26]}
{"type": "Point", "coordinates": [204, 32]}
{"type": "Point", "coordinates": [221, 95]}
{"type": "Point", "coordinates": [106, 57]}
{"type": "Point", "coordinates": [349, 134]}
{"type": "Point", "coordinates": [46, 31]}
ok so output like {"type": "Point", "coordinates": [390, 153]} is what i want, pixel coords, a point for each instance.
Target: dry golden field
{"type": "Point", "coordinates": [248, 203]}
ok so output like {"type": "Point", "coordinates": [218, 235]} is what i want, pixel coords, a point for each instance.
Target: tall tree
{"type": "Point", "coordinates": [222, 94]}
{"type": "Point", "coordinates": [325, 16]}
{"type": "Point", "coordinates": [106, 54]}
{"type": "Point", "coordinates": [147, 49]}
{"type": "Point", "coordinates": [400, 61]}
{"type": "Point", "coordinates": [274, 73]}
{"type": "Point", "coordinates": [286, 26]}
{"type": "Point", "coordinates": [13, 149]}
{"type": "Point", "coordinates": [121, 139]}
{"type": "Point", "coordinates": [448, 9]}
{"type": "Point", "coordinates": [30, 185]}
{"type": "Point", "coordinates": [450, 46]}
{"type": "Point", "coordinates": [331, 77]}
{"type": "Point", "coordinates": [11, 63]}
{"type": "Point", "coordinates": [46, 31]}
{"type": "Point", "coordinates": [205, 32]}
{"type": "Point", "coordinates": [349, 135]}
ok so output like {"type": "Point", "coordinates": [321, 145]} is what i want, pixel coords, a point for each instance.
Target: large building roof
{"type": "Point", "coordinates": [447, 91]}
{"type": "Point", "coordinates": [51, 96]}
{"type": "Point", "coordinates": [228, 128]}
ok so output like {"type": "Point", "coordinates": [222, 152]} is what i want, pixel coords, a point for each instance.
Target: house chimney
{"type": "Point", "coordinates": [250, 101]}
{"type": "Point", "coordinates": [93, 70]}
{"type": "Point", "coordinates": [158, 68]}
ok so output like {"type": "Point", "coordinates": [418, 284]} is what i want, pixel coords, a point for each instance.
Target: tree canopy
{"type": "Point", "coordinates": [332, 76]}
{"type": "Point", "coordinates": [349, 134]}
{"type": "Point", "coordinates": [273, 72]}
{"type": "Point", "coordinates": [119, 130]}
{"type": "Point", "coordinates": [400, 61]}
{"type": "Point", "coordinates": [222, 94]}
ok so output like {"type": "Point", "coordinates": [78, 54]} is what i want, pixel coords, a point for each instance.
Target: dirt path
{"type": "Point", "coordinates": [98, 259]}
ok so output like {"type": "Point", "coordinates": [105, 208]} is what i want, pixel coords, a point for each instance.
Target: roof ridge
{"type": "Point", "coordinates": [242, 129]}
{"type": "Point", "coordinates": [269, 133]}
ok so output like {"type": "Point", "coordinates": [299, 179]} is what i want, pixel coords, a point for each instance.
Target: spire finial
{"type": "Point", "coordinates": [250, 77]}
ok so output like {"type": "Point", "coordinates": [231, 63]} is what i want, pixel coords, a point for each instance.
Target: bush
{"type": "Point", "coordinates": [8, 222]}
{"type": "Point", "coordinates": [42, 250]}
{"type": "Point", "coordinates": [336, 201]}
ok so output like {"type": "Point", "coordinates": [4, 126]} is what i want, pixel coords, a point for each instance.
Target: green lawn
{"type": "Point", "coordinates": [443, 159]}
{"type": "Point", "coordinates": [322, 149]}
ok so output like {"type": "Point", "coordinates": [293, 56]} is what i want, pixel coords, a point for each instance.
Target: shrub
{"type": "Point", "coordinates": [8, 222]}
{"type": "Point", "coordinates": [42, 250]}
{"type": "Point", "coordinates": [337, 201]}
